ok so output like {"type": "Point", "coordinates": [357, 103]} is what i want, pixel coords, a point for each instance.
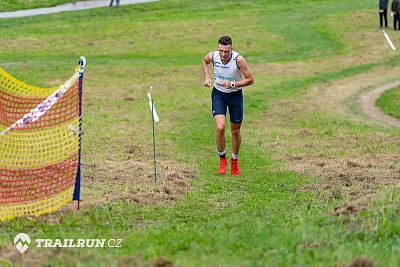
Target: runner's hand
{"type": "Point", "coordinates": [207, 82]}
{"type": "Point", "coordinates": [226, 84]}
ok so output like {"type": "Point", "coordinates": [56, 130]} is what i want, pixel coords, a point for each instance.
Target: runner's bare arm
{"type": "Point", "coordinates": [206, 62]}
{"type": "Point", "coordinates": [248, 76]}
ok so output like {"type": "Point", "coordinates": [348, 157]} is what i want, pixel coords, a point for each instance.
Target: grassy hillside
{"type": "Point", "coordinates": [318, 184]}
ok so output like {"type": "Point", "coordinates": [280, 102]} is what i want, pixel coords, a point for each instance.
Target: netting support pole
{"type": "Point", "coordinates": [77, 191]}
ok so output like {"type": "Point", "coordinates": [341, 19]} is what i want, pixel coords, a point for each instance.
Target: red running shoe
{"type": "Point", "coordinates": [222, 165]}
{"type": "Point", "coordinates": [234, 167]}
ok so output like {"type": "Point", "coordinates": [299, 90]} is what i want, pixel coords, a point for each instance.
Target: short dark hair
{"type": "Point", "coordinates": [225, 40]}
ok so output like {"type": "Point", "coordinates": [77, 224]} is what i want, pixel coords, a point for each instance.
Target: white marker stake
{"type": "Point", "coordinates": [388, 40]}
{"type": "Point", "coordinates": [154, 119]}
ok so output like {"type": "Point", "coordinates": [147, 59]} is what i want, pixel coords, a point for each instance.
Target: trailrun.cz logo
{"type": "Point", "coordinates": [22, 241]}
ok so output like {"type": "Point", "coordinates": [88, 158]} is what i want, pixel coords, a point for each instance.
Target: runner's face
{"type": "Point", "coordinates": [224, 52]}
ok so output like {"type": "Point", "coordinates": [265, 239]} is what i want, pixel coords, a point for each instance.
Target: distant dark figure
{"type": "Point", "coordinates": [383, 12]}
{"type": "Point", "coordinates": [396, 14]}
{"type": "Point", "coordinates": [116, 2]}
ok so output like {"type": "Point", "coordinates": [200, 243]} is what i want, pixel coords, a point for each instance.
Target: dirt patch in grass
{"type": "Point", "coordinates": [354, 180]}
{"type": "Point", "coordinates": [354, 177]}
{"type": "Point", "coordinates": [361, 262]}
{"type": "Point", "coordinates": [133, 180]}
{"type": "Point", "coordinates": [162, 262]}
{"type": "Point", "coordinates": [40, 256]}
{"type": "Point", "coordinates": [10, 256]}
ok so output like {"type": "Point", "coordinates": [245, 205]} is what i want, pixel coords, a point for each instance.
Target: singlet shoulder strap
{"type": "Point", "coordinates": [235, 56]}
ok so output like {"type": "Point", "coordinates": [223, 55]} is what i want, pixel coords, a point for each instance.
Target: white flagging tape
{"type": "Point", "coordinates": [388, 40]}
{"type": "Point", "coordinates": [156, 119]}
{"type": "Point", "coordinates": [43, 107]}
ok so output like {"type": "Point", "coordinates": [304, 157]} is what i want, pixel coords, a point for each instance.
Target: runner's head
{"type": "Point", "coordinates": [225, 47]}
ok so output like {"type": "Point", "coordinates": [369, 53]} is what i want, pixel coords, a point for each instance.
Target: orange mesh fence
{"type": "Point", "coordinates": [39, 146]}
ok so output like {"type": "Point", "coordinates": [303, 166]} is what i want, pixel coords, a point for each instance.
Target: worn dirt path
{"type": "Point", "coordinates": [369, 108]}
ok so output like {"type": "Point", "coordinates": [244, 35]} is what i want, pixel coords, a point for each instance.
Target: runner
{"type": "Point", "coordinates": [227, 93]}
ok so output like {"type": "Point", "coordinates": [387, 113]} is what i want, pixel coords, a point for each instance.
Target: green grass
{"type": "Point", "coordinates": [389, 103]}
{"type": "Point", "coordinates": [262, 218]}
{"type": "Point", "coordinates": [12, 5]}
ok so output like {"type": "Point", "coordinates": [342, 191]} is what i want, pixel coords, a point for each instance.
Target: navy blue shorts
{"type": "Point", "coordinates": [234, 101]}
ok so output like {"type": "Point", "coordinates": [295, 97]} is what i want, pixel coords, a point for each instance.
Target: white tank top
{"type": "Point", "coordinates": [229, 71]}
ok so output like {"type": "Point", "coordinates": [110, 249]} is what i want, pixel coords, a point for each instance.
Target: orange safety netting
{"type": "Point", "coordinates": [39, 146]}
